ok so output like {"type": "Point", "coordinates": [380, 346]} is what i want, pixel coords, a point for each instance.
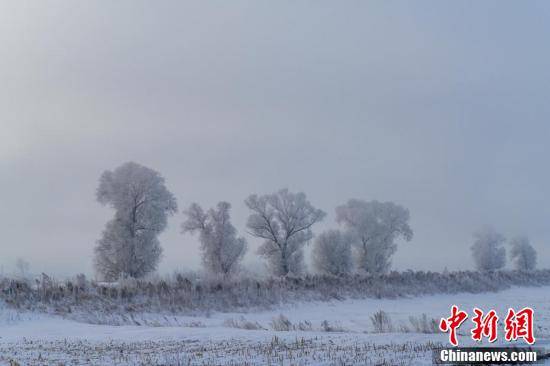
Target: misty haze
{"type": "Point", "coordinates": [239, 172]}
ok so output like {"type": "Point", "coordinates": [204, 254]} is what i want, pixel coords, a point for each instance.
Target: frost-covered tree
{"type": "Point", "coordinates": [375, 226]}
{"type": "Point", "coordinates": [522, 254]}
{"type": "Point", "coordinates": [284, 220]}
{"type": "Point", "coordinates": [221, 249]}
{"type": "Point", "coordinates": [488, 251]}
{"type": "Point", "coordinates": [332, 253]}
{"type": "Point", "coordinates": [22, 268]}
{"type": "Point", "coordinates": [129, 246]}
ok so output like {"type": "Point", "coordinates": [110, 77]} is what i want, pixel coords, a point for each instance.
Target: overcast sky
{"type": "Point", "coordinates": [442, 107]}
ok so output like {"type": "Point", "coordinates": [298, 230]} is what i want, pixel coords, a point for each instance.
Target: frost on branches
{"type": "Point", "coordinates": [221, 249]}
{"type": "Point", "coordinates": [129, 246]}
{"type": "Point", "coordinates": [284, 220]}
{"type": "Point", "coordinates": [488, 251]}
{"type": "Point", "coordinates": [522, 255]}
{"type": "Point", "coordinates": [375, 226]}
{"type": "Point", "coordinates": [332, 253]}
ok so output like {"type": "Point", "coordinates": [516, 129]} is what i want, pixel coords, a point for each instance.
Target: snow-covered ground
{"type": "Point", "coordinates": [337, 332]}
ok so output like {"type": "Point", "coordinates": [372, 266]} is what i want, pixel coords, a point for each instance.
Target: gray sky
{"type": "Point", "coordinates": [442, 107]}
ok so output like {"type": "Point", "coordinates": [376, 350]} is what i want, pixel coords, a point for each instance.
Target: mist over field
{"type": "Point", "coordinates": [244, 182]}
{"type": "Point", "coordinates": [440, 107]}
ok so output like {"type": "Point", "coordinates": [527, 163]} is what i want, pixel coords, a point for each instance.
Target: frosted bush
{"type": "Point", "coordinates": [281, 324]}
{"type": "Point", "coordinates": [422, 324]}
{"type": "Point", "coordinates": [242, 323]}
{"type": "Point", "coordinates": [327, 326]}
{"type": "Point", "coordinates": [382, 322]}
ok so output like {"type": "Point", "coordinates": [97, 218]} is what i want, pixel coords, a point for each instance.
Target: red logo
{"type": "Point", "coordinates": [452, 323]}
{"type": "Point", "coordinates": [485, 326]}
{"type": "Point", "coordinates": [520, 325]}
{"type": "Point", "coordinates": [516, 325]}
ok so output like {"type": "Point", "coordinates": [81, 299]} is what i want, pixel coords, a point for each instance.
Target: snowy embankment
{"type": "Point", "coordinates": [125, 302]}
{"type": "Point", "coordinates": [339, 331]}
{"type": "Point", "coordinates": [9, 316]}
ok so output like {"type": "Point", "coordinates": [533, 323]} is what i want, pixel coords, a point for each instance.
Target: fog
{"type": "Point", "coordinates": [440, 107]}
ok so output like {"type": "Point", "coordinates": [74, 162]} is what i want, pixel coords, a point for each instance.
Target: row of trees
{"type": "Point", "coordinates": [365, 242]}
{"type": "Point", "coordinates": [129, 246]}
{"type": "Point", "coordinates": [489, 252]}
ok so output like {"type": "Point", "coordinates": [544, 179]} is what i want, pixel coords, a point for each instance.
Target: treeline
{"type": "Point", "coordinates": [181, 294]}
{"type": "Point", "coordinates": [129, 246]}
{"type": "Point", "coordinates": [364, 243]}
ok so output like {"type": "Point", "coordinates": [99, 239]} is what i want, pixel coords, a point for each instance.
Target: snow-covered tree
{"type": "Point", "coordinates": [129, 246]}
{"type": "Point", "coordinates": [488, 251]}
{"type": "Point", "coordinates": [221, 249]}
{"type": "Point", "coordinates": [284, 220]}
{"type": "Point", "coordinates": [375, 226]}
{"type": "Point", "coordinates": [522, 254]}
{"type": "Point", "coordinates": [22, 268]}
{"type": "Point", "coordinates": [332, 253]}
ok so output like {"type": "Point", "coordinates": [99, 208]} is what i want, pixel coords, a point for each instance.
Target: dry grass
{"type": "Point", "coordinates": [301, 351]}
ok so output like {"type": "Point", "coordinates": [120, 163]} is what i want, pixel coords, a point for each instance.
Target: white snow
{"type": "Point", "coordinates": [22, 334]}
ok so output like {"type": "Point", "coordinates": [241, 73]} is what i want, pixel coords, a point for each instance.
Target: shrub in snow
{"type": "Point", "coordinates": [381, 322]}
{"type": "Point", "coordinates": [194, 324]}
{"type": "Point", "coordinates": [522, 255]}
{"type": "Point", "coordinates": [332, 253]}
{"type": "Point", "coordinates": [423, 324]}
{"type": "Point", "coordinates": [376, 226]}
{"type": "Point", "coordinates": [281, 324]}
{"type": "Point", "coordinates": [221, 249]}
{"type": "Point", "coordinates": [242, 323]}
{"type": "Point", "coordinates": [488, 251]}
{"type": "Point", "coordinates": [129, 246]}
{"type": "Point", "coordinates": [304, 326]}
{"type": "Point", "coordinates": [327, 326]}
{"type": "Point", "coordinates": [283, 220]}
{"type": "Point", "coordinates": [22, 268]}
